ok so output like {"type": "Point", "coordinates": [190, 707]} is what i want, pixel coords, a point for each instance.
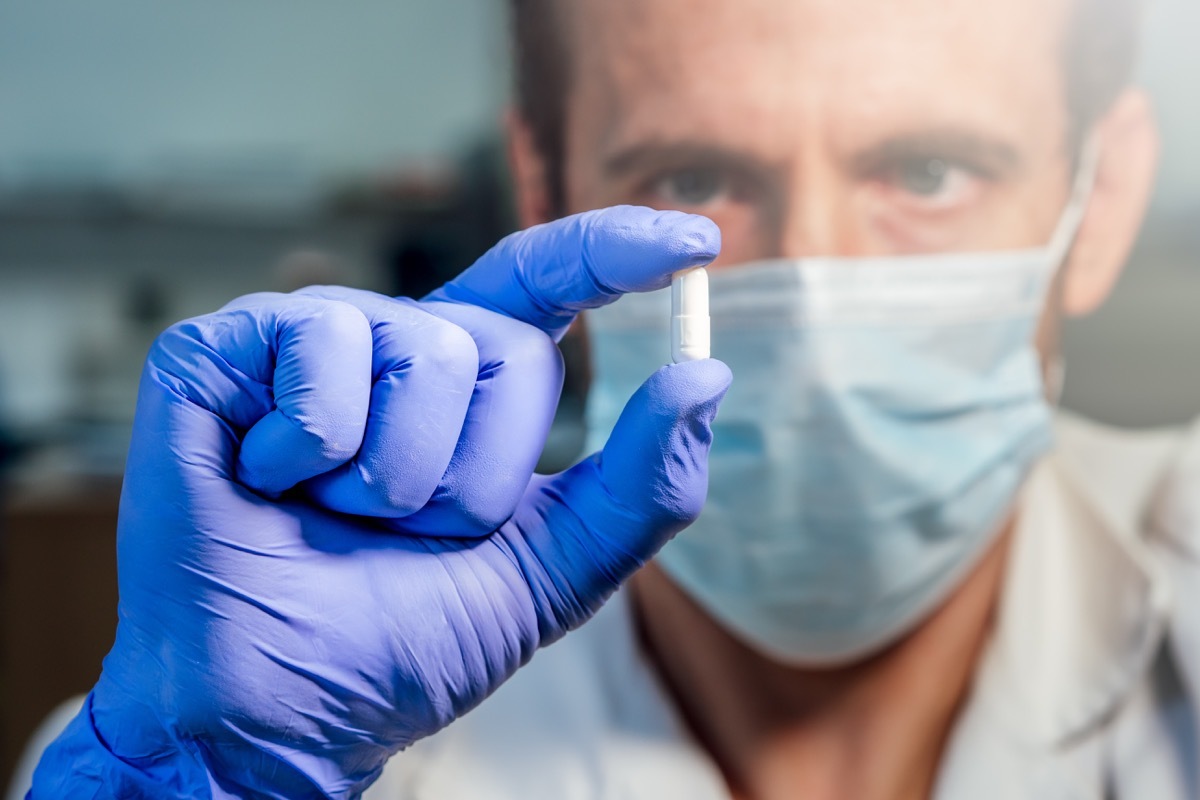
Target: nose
{"type": "Point", "coordinates": [816, 217]}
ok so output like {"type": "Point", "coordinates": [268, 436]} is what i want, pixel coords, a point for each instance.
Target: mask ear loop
{"type": "Point", "coordinates": [1081, 191]}
{"type": "Point", "coordinates": [1054, 377]}
{"type": "Point", "coordinates": [1054, 373]}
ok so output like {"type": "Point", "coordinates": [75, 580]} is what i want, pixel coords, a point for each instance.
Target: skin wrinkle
{"type": "Point", "coordinates": [560, 581]}
{"type": "Point", "coordinates": [534, 293]}
{"type": "Point", "coordinates": [542, 582]}
{"type": "Point", "coordinates": [590, 267]}
{"type": "Point", "coordinates": [232, 591]}
{"type": "Point", "coordinates": [178, 386]}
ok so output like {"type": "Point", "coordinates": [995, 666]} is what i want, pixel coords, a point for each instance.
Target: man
{"type": "Point", "coordinates": [897, 589]}
{"type": "Point", "coordinates": [847, 129]}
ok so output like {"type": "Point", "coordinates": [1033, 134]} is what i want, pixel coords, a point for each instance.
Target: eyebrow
{"type": "Point", "coordinates": [987, 154]}
{"type": "Point", "coordinates": [658, 155]}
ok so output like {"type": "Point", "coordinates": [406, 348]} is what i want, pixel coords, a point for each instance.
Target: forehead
{"type": "Point", "coordinates": [728, 67]}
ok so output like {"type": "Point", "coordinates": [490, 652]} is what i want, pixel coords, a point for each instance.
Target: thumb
{"type": "Point", "coordinates": [585, 531]}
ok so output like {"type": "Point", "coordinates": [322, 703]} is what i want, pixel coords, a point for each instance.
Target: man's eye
{"type": "Point", "coordinates": [923, 177]}
{"type": "Point", "coordinates": [932, 184]}
{"type": "Point", "coordinates": [692, 187]}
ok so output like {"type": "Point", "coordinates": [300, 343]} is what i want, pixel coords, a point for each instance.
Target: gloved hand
{"type": "Point", "coordinates": [330, 544]}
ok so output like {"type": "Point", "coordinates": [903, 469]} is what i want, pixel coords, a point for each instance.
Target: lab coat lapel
{"type": "Point", "coordinates": [1080, 619]}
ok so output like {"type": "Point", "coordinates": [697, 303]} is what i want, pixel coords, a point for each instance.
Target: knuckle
{"type": "Point", "coordinates": [528, 348]}
{"type": "Point", "coordinates": [335, 436]}
{"type": "Point", "coordinates": [479, 518]}
{"type": "Point", "coordinates": [332, 439]}
{"type": "Point", "coordinates": [480, 522]}
{"type": "Point", "coordinates": [341, 321]}
{"type": "Point", "coordinates": [180, 349]}
{"type": "Point", "coordinates": [339, 443]}
{"type": "Point", "coordinates": [449, 350]}
{"type": "Point", "coordinates": [485, 498]}
{"type": "Point", "coordinates": [172, 339]}
{"type": "Point", "coordinates": [397, 494]}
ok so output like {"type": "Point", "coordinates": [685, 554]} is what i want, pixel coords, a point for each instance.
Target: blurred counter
{"type": "Point", "coordinates": [58, 577]}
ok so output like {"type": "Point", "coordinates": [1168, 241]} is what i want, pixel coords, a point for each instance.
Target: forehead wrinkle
{"type": "Point", "coordinates": [647, 79]}
{"type": "Point", "coordinates": [772, 77]}
{"type": "Point", "coordinates": [656, 43]}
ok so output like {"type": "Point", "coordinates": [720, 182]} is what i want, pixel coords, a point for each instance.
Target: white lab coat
{"type": "Point", "coordinates": [1086, 689]}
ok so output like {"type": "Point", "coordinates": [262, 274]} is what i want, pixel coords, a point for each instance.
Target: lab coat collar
{"type": "Point", "coordinates": [1084, 606]}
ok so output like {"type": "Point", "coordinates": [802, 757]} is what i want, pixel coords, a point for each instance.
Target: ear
{"type": "Point", "coordinates": [528, 167]}
{"type": "Point", "coordinates": [1128, 140]}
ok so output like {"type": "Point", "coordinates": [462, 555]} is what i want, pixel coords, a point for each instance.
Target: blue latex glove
{"type": "Point", "coordinates": [330, 544]}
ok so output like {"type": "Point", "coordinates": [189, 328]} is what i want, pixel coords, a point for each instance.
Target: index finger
{"type": "Point", "coordinates": [547, 274]}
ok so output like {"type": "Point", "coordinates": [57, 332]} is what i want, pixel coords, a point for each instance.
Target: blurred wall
{"type": "Point", "coordinates": [1170, 67]}
{"type": "Point", "coordinates": [1136, 362]}
{"type": "Point", "coordinates": [131, 88]}
{"type": "Point", "coordinates": [193, 144]}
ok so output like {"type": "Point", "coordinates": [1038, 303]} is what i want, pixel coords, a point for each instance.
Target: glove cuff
{"type": "Point", "coordinates": [79, 763]}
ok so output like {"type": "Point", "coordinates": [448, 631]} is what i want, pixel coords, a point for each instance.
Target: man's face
{"type": "Point", "coordinates": [825, 127]}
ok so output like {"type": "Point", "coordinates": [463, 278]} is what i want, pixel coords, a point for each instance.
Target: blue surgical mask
{"type": "Point", "coordinates": [883, 415]}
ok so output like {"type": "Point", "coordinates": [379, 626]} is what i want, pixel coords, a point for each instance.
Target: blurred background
{"type": "Point", "coordinates": [158, 159]}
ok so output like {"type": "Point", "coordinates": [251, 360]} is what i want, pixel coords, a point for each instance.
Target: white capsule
{"type": "Point", "coordinates": [690, 332]}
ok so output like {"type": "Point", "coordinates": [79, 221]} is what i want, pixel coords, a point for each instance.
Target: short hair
{"type": "Point", "coordinates": [1099, 55]}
